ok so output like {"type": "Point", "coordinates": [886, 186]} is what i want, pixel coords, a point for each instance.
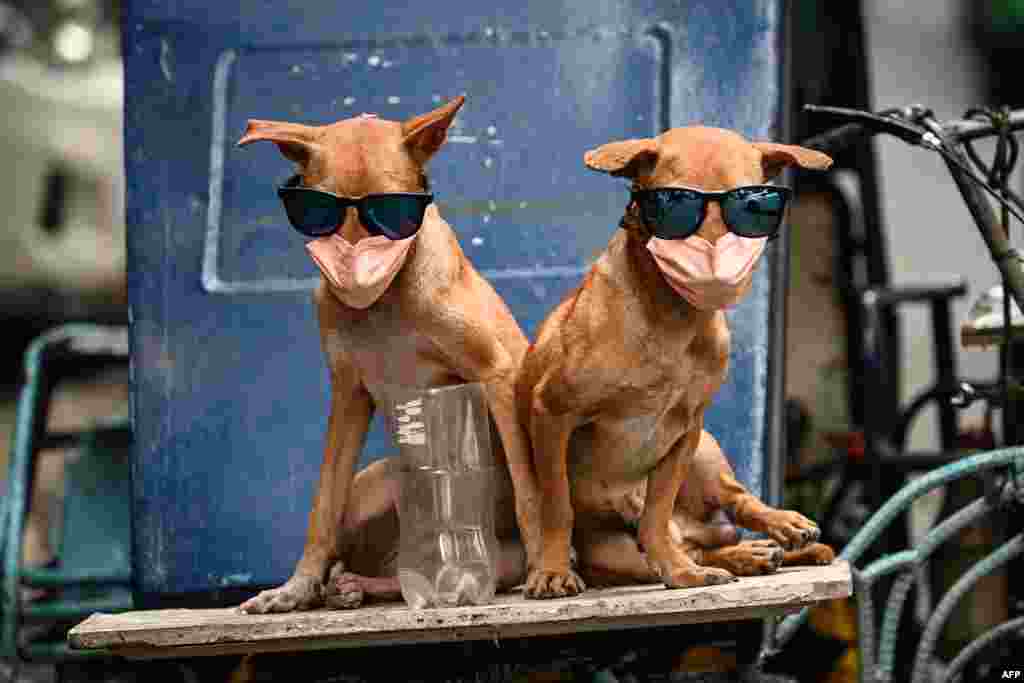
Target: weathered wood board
{"type": "Point", "coordinates": [203, 632]}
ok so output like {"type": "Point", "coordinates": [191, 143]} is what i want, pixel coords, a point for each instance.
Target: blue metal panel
{"type": "Point", "coordinates": [230, 392]}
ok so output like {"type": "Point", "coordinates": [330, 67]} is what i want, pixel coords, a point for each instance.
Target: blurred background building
{"type": "Point", "coordinates": [62, 246]}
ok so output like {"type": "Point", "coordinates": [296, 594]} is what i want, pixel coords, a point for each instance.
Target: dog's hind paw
{"type": "Point", "coordinates": [749, 558]}
{"type": "Point", "coordinates": [813, 554]}
{"type": "Point", "coordinates": [701, 576]}
{"type": "Point", "coordinates": [541, 584]}
{"type": "Point", "coordinates": [299, 593]}
{"type": "Point", "coordinates": [344, 591]}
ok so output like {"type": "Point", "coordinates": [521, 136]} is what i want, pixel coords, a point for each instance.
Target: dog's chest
{"type": "Point", "coordinates": [636, 430]}
{"type": "Point", "coordinates": [388, 351]}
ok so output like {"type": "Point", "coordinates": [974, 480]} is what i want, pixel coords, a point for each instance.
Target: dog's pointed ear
{"type": "Point", "coordinates": [628, 158]}
{"type": "Point", "coordinates": [295, 140]}
{"type": "Point", "coordinates": [423, 135]}
{"type": "Point", "coordinates": [776, 156]}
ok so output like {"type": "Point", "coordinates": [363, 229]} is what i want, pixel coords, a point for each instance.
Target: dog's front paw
{"type": "Point", "coordinates": [542, 584]}
{"type": "Point", "coordinates": [299, 593]}
{"type": "Point", "coordinates": [792, 530]}
{"type": "Point", "coordinates": [697, 576]}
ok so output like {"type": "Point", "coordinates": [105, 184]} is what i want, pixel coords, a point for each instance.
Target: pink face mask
{"type": "Point", "coordinates": [359, 273]}
{"type": "Point", "coordinates": [709, 276]}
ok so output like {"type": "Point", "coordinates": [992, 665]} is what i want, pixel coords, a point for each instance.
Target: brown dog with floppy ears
{"type": "Point", "coordinates": [409, 311]}
{"type": "Point", "coordinates": [614, 390]}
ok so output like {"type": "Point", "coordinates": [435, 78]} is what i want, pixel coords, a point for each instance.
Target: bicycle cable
{"type": "Point", "coordinates": [1004, 160]}
{"type": "Point", "coordinates": [968, 173]}
{"type": "Point", "coordinates": [1007, 152]}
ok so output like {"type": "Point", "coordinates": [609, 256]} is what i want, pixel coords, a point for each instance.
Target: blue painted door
{"type": "Point", "coordinates": [230, 393]}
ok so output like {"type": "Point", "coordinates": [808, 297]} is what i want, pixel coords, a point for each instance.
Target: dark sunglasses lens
{"type": "Point", "coordinates": [394, 216]}
{"type": "Point", "coordinates": [312, 213]}
{"type": "Point", "coordinates": [672, 213]}
{"type": "Point", "coordinates": [754, 211]}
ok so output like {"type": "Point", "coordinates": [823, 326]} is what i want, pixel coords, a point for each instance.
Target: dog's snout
{"type": "Point", "coordinates": [713, 226]}
{"type": "Point", "coordinates": [352, 229]}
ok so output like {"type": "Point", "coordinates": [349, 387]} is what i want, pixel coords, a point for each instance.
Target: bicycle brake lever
{"type": "Point", "coordinates": [885, 122]}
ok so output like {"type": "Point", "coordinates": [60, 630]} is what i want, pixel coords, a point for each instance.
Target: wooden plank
{"type": "Point", "coordinates": [201, 632]}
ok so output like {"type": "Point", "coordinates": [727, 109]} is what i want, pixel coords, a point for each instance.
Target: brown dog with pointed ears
{"type": "Point", "coordinates": [410, 312]}
{"type": "Point", "coordinates": [614, 390]}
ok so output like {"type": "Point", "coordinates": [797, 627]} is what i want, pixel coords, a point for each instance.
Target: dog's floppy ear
{"type": "Point", "coordinates": [295, 140]}
{"type": "Point", "coordinates": [628, 158]}
{"type": "Point", "coordinates": [423, 135]}
{"type": "Point", "coordinates": [775, 157]}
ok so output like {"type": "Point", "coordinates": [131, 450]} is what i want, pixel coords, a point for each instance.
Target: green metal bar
{"type": "Point", "coordinates": [889, 564]}
{"type": "Point", "coordinates": [1003, 554]}
{"type": "Point", "coordinates": [1009, 628]}
{"type": "Point", "coordinates": [19, 489]}
{"type": "Point", "coordinates": [48, 578]}
{"type": "Point", "coordinates": [865, 628]}
{"type": "Point", "coordinates": [890, 625]}
{"type": "Point", "coordinates": [82, 340]}
{"type": "Point", "coordinates": [894, 507]}
{"type": "Point", "coordinates": [949, 527]}
{"type": "Point", "coordinates": [76, 609]}
{"type": "Point", "coordinates": [58, 651]}
{"type": "Point", "coordinates": [952, 525]}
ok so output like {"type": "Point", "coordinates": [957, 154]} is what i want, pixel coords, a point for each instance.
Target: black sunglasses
{"type": "Point", "coordinates": [674, 213]}
{"type": "Point", "coordinates": [315, 213]}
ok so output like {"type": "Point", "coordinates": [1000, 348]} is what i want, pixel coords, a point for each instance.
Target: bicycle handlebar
{"type": "Point", "coordinates": [837, 139]}
{"type": "Point", "coordinates": [917, 125]}
{"type": "Point", "coordinates": [962, 130]}
{"type": "Point", "coordinates": [914, 125]}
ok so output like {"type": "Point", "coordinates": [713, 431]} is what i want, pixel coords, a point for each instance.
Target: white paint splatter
{"type": "Point", "coordinates": [166, 60]}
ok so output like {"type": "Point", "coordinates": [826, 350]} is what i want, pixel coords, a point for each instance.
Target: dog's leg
{"type": "Point", "coordinates": [511, 563]}
{"type": "Point", "coordinates": [612, 558]}
{"type": "Point", "coordinates": [501, 399]}
{"type": "Point", "coordinates": [368, 540]}
{"type": "Point", "coordinates": [554, 577]}
{"type": "Point", "coordinates": [715, 479]}
{"type": "Point", "coordinates": [714, 542]}
{"type": "Point", "coordinates": [351, 409]}
{"type": "Point", "coordinates": [668, 558]}
{"type": "Point", "coordinates": [789, 528]}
